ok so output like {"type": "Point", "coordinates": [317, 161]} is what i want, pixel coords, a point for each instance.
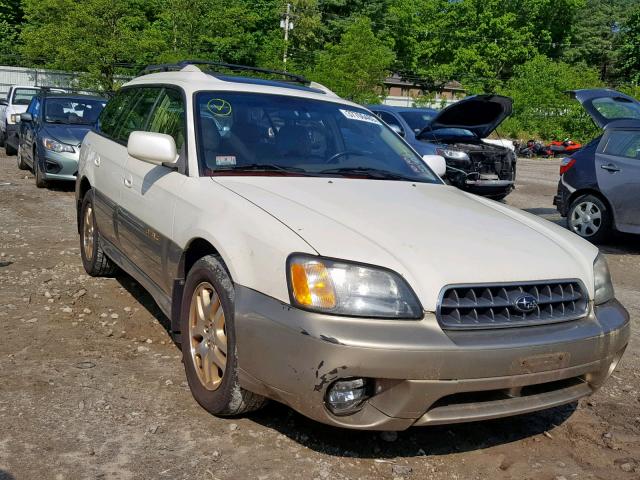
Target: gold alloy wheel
{"type": "Point", "coordinates": [207, 336]}
{"type": "Point", "coordinates": [87, 233]}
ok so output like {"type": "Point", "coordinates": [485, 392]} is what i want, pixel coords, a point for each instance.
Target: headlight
{"type": "Point", "coordinates": [10, 118]}
{"type": "Point", "coordinates": [454, 154]}
{"type": "Point", "coordinates": [56, 146]}
{"type": "Point", "coordinates": [342, 288]}
{"type": "Point", "coordinates": [603, 287]}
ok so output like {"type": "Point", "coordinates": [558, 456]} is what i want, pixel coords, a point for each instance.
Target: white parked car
{"type": "Point", "coordinates": [305, 253]}
{"type": "Point", "coordinates": [15, 103]}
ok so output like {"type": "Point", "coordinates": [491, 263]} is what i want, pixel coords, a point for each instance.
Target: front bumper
{"type": "Point", "coordinates": [12, 134]}
{"type": "Point", "coordinates": [422, 375]}
{"type": "Point", "coordinates": [59, 166]}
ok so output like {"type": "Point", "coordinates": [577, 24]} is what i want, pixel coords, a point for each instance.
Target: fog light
{"type": "Point", "coordinates": [345, 397]}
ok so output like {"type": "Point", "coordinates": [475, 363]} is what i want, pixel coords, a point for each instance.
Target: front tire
{"type": "Point", "coordinates": [209, 343]}
{"type": "Point", "coordinates": [589, 217]}
{"type": "Point", "coordinates": [95, 261]}
{"type": "Point", "coordinates": [41, 182]}
{"type": "Point", "coordinates": [21, 163]}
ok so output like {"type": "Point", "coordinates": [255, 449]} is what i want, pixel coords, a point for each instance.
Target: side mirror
{"type": "Point", "coordinates": [397, 129]}
{"type": "Point", "coordinates": [436, 163]}
{"type": "Point", "coordinates": [25, 117]}
{"type": "Point", "coordinates": [3, 101]}
{"type": "Point", "coordinates": [156, 148]}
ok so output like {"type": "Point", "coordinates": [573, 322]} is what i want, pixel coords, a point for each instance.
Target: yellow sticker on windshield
{"type": "Point", "coordinates": [219, 107]}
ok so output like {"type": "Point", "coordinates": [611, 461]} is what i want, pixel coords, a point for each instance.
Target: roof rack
{"type": "Point", "coordinates": [80, 91]}
{"type": "Point", "coordinates": [168, 67]}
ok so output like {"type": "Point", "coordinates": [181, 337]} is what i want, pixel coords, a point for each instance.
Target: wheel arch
{"type": "Point", "coordinates": [83, 187]}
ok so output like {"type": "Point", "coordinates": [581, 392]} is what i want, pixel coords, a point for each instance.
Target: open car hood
{"type": "Point", "coordinates": [480, 114]}
{"type": "Point", "coordinates": [605, 105]}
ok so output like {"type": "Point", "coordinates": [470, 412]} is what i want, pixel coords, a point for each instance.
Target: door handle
{"type": "Point", "coordinates": [610, 168]}
{"type": "Point", "coordinates": [128, 182]}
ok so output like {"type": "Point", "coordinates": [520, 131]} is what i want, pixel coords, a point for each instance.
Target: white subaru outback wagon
{"type": "Point", "coordinates": [305, 253]}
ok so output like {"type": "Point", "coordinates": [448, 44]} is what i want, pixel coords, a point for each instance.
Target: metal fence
{"type": "Point", "coordinates": [39, 77]}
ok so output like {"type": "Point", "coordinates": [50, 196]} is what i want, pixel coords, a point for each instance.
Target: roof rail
{"type": "Point", "coordinates": [167, 67]}
{"type": "Point", "coordinates": [80, 91]}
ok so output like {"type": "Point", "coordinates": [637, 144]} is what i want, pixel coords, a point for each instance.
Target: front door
{"type": "Point", "coordinates": [149, 196]}
{"type": "Point", "coordinates": [618, 173]}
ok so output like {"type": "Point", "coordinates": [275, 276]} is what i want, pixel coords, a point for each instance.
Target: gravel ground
{"type": "Point", "coordinates": [91, 385]}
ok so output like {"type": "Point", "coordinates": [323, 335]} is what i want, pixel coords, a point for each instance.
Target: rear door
{"type": "Point", "coordinates": [150, 193]}
{"type": "Point", "coordinates": [618, 174]}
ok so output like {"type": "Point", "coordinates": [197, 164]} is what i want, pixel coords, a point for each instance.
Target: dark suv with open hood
{"type": "Point", "coordinates": [599, 187]}
{"type": "Point", "coordinates": [458, 133]}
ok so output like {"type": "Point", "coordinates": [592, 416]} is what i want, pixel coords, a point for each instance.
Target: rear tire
{"type": "Point", "coordinates": [589, 217]}
{"type": "Point", "coordinates": [95, 261]}
{"type": "Point", "coordinates": [209, 343]}
{"type": "Point", "coordinates": [2, 137]}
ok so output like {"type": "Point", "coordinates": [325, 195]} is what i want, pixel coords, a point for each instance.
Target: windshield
{"type": "Point", "coordinates": [257, 133]}
{"type": "Point", "coordinates": [438, 133]}
{"type": "Point", "coordinates": [22, 96]}
{"type": "Point", "coordinates": [72, 110]}
{"type": "Point", "coordinates": [418, 119]}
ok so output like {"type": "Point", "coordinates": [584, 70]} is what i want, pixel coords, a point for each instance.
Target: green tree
{"type": "Point", "coordinates": [10, 22]}
{"type": "Point", "coordinates": [355, 67]}
{"type": "Point", "coordinates": [93, 36]}
{"type": "Point", "coordinates": [629, 51]}
{"type": "Point", "coordinates": [541, 106]}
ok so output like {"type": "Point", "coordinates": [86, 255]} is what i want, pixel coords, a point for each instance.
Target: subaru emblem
{"type": "Point", "coordinates": [525, 303]}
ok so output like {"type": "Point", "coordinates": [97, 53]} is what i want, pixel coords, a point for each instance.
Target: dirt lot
{"type": "Point", "coordinates": [91, 385]}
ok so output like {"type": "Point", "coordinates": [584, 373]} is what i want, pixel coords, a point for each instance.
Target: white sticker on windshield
{"type": "Point", "coordinates": [361, 117]}
{"type": "Point", "coordinates": [225, 160]}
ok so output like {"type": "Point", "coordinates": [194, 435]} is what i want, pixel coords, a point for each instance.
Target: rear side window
{"type": "Point", "coordinates": [168, 117]}
{"type": "Point", "coordinates": [136, 116]}
{"type": "Point", "coordinates": [622, 143]}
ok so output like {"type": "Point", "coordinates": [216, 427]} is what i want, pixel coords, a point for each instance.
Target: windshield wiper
{"type": "Point", "coordinates": [262, 167]}
{"type": "Point", "coordinates": [367, 171]}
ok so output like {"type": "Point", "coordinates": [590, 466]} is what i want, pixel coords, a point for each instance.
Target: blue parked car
{"type": "Point", "coordinates": [458, 133]}
{"type": "Point", "coordinates": [599, 187]}
{"type": "Point", "coordinates": [51, 131]}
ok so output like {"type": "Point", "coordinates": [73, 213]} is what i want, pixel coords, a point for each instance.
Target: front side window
{"type": "Point", "coordinates": [622, 144]}
{"type": "Point", "coordinates": [34, 107]}
{"type": "Point", "coordinates": [72, 111]}
{"type": "Point", "coordinates": [114, 111]}
{"type": "Point", "coordinates": [168, 117]}
{"type": "Point", "coordinates": [257, 133]}
{"type": "Point", "coordinates": [136, 117]}
{"type": "Point", "coordinates": [22, 96]}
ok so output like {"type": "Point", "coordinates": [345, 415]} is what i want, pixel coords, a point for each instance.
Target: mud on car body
{"type": "Point", "coordinates": [304, 253]}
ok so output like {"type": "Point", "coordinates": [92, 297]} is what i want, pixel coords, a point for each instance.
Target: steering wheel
{"type": "Point", "coordinates": [333, 158]}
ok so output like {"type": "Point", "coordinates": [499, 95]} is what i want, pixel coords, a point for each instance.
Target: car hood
{"type": "Point", "coordinates": [480, 114]}
{"type": "Point", "coordinates": [69, 134]}
{"type": "Point", "coordinates": [606, 106]}
{"type": "Point", "coordinates": [433, 235]}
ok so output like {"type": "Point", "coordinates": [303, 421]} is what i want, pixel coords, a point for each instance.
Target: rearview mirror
{"type": "Point", "coordinates": [24, 117]}
{"type": "Point", "coordinates": [397, 129]}
{"type": "Point", "coordinates": [3, 101]}
{"type": "Point", "coordinates": [436, 163]}
{"type": "Point", "coordinates": [156, 148]}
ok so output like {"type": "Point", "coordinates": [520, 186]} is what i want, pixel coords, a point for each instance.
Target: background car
{"type": "Point", "coordinates": [18, 97]}
{"type": "Point", "coordinates": [458, 133]}
{"type": "Point", "coordinates": [51, 131]}
{"type": "Point", "coordinates": [599, 187]}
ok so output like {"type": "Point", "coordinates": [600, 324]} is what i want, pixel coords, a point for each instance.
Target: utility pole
{"type": "Point", "coordinates": [287, 25]}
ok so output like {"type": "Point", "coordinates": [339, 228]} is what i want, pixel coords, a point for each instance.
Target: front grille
{"type": "Point", "coordinates": [466, 307]}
